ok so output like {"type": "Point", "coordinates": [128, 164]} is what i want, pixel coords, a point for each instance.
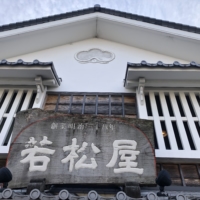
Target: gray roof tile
{"type": "Point", "coordinates": [98, 8]}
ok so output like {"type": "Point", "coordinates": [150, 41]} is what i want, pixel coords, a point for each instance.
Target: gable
{"type": "Point", "coordinates": [94, 77]}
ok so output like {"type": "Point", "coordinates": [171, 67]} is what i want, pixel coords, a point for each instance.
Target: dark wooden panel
{"type": "Point", "coordinates": [129, 99]}
{"type": "Point", "coordinates": [158, 169]}
{"type": "Point", "coordinates": [65, 99]}
{"type": "Point", "coordinates": [192, 182]}
{"type": "Point", "coordinates": [90, 99]}
{"type": "Point", "coordinates": [130, 116]}
{"type": "Point", "coordinates": [78, 99]}
{"type": "Point", "coordinates": [90, 109]}
{"type": "Point", "coordinates": [176, 181]}
{"type": "Point", "coordinates": [51, 99]}
{"type": "Point", "coordinates": [63, 108]}
{"type": "Point", "coordinates": [49, 107]}
{"type": "Point", "coordinates": [117, 99]}
{"type": "Point", "coordinates": [90, 102]}
{"type": "Point", "coordinates": [116, 110]}
{"type": "Point", "coordinates": [103, 109]}
{"type": "Point", "coordinates": [130, 109]}
{"type": "Point", "coordinates": [76, 109]}
{"type": "Point", "coordinates": [103, 99]}
{"type": "Point", "coordinates": [189, 171]}
{"type": "Point", "coordinates": [172, 169]}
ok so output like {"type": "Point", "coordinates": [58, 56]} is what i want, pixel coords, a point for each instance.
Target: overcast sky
{"type": "Point", "coordinates": [180, 11]}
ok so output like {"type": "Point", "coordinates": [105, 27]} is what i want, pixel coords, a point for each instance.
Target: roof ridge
{"type": "Point", "coordinates": [98, 8]}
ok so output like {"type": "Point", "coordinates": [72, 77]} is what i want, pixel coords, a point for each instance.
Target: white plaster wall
{"type": "Point", "coordinates": [96, 77]}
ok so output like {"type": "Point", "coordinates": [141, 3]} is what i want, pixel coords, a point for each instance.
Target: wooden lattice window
{"type": "Point", "coordinates": [97, 104]}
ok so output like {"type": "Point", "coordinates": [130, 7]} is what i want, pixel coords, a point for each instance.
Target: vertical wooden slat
{"type": "Point", "coordinates": [191, 124]}
{"type": "Point", "coordinates": [1, 93]}
{"type": "Point", "coordinates": [10, 117]}
{"type": "Point", "coordinates": [70, 104]}
{"type": "Point", "coordinates": [83, 108]}
{"type": "Point", "coordinates": [57, 103]}
{"type": "Point", "coordinates": [170, 130]}
{"type": "Point", "coordinates": [198, 170]}
{"type": "Point", "coordinates": [157, 125]}
{"type": "Point", "coordinates": [6, 103]}
{"type": "Point", "coordinates": [195, 104]}
{"type": "Point", "coordinates": [109, 105]}
{"type": "Point", "coordinates": [123, 113]}
{"type": "Point", "coordinates": [181, 173]}
{"type": "Point", "coordinates": [96, 106]}
{"type": "Point", "coordinates": [27, 100]}
{"type": "Point", "coordinates": [181, 128]}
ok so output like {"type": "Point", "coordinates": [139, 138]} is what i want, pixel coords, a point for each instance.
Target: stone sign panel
{"type": "Point", "coordinates": [76, 149]}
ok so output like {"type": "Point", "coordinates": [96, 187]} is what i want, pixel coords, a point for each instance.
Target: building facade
{"type": "Point", "coordinates": [104, 62]}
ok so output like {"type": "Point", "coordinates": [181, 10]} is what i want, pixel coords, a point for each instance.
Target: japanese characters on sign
{"type": "Point", "coordinates": [79, 149]}
{"type": "Point", "coordinates": [124, 150]}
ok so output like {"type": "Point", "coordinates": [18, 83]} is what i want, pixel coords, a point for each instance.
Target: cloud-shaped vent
{"type": "Point", "coordinates": [94, 56]}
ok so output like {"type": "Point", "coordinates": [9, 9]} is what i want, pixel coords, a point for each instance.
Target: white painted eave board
{"type": "Point", "coordinates": [48, 35]}
{"type": "Point", "coordinates": [163, 40]}
{"type": "Point", "coordinates": [20, 75]}
{"type": "Point", "coordinates": [164, 74]}
{"type": "Point", "coordinates": [171, 42]}
{"type": "Point", "coordinates": [163, 77]}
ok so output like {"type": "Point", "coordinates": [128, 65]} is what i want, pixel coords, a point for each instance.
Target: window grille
{"type": "Point", "coordinates": [11, 102]}
{"type": "Point", "coordinates": [96, 104]}
{"type": "Point", "coordinates": [176, 116]}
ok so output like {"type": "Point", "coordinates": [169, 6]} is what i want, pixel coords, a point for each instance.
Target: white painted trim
{"type": "Point", "coordinates": [148, 26]}
{"type": "Point", "coordinates": [25, 81]}
{"type": "Point", "coordinates": [157, 125]}
{"type": "Point", "coordinates": [101, 16]}
{"type": "Point", "coordinates": [39, 104]}
{"type": "Point", "coordinates": [56, 24]}
{"type": "Point", "coordinates": [10, 118]}
{"type": "Point", "coordinates": [27, 100]}
{"type": "Point", "coordinates": [175, 90]}
{"type": "Point", "coordinates": [5, 104]}
{"type": "Point", "coordinates": [170, 131]}
{"type": "Point", "coordinates": [191, 124]}
{"type": "Point", "coordinates": [4, 149]}
{"type": "Point", "coordinates": [142, 110]}
{"type": "Point", "coordinates": [180, 126]}
{"type": "Point", "coordinates": [195, 105]}
{"type": "Point", "coordinates": [174, 152]}
{"type": "Point", "coordinates": [165, 83]}
{"type": "Point", "coordinates": [177, 154]}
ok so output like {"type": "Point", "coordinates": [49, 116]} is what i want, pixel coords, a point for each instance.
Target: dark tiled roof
{"type": "Point", "coordinates": [92, 195]}
{"type": "Point", "coordinates": [160, 64]}
{"type": "Point", "coordinates": [98, 8]}
{"type": "Point", "coordinates": [20, 62]}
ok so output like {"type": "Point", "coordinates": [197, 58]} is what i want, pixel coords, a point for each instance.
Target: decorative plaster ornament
{"type": "Point", "coordinates": [94, 56]}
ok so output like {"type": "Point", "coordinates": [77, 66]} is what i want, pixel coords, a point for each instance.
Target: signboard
{"type": "Point", "coordinates": [80, 149]}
